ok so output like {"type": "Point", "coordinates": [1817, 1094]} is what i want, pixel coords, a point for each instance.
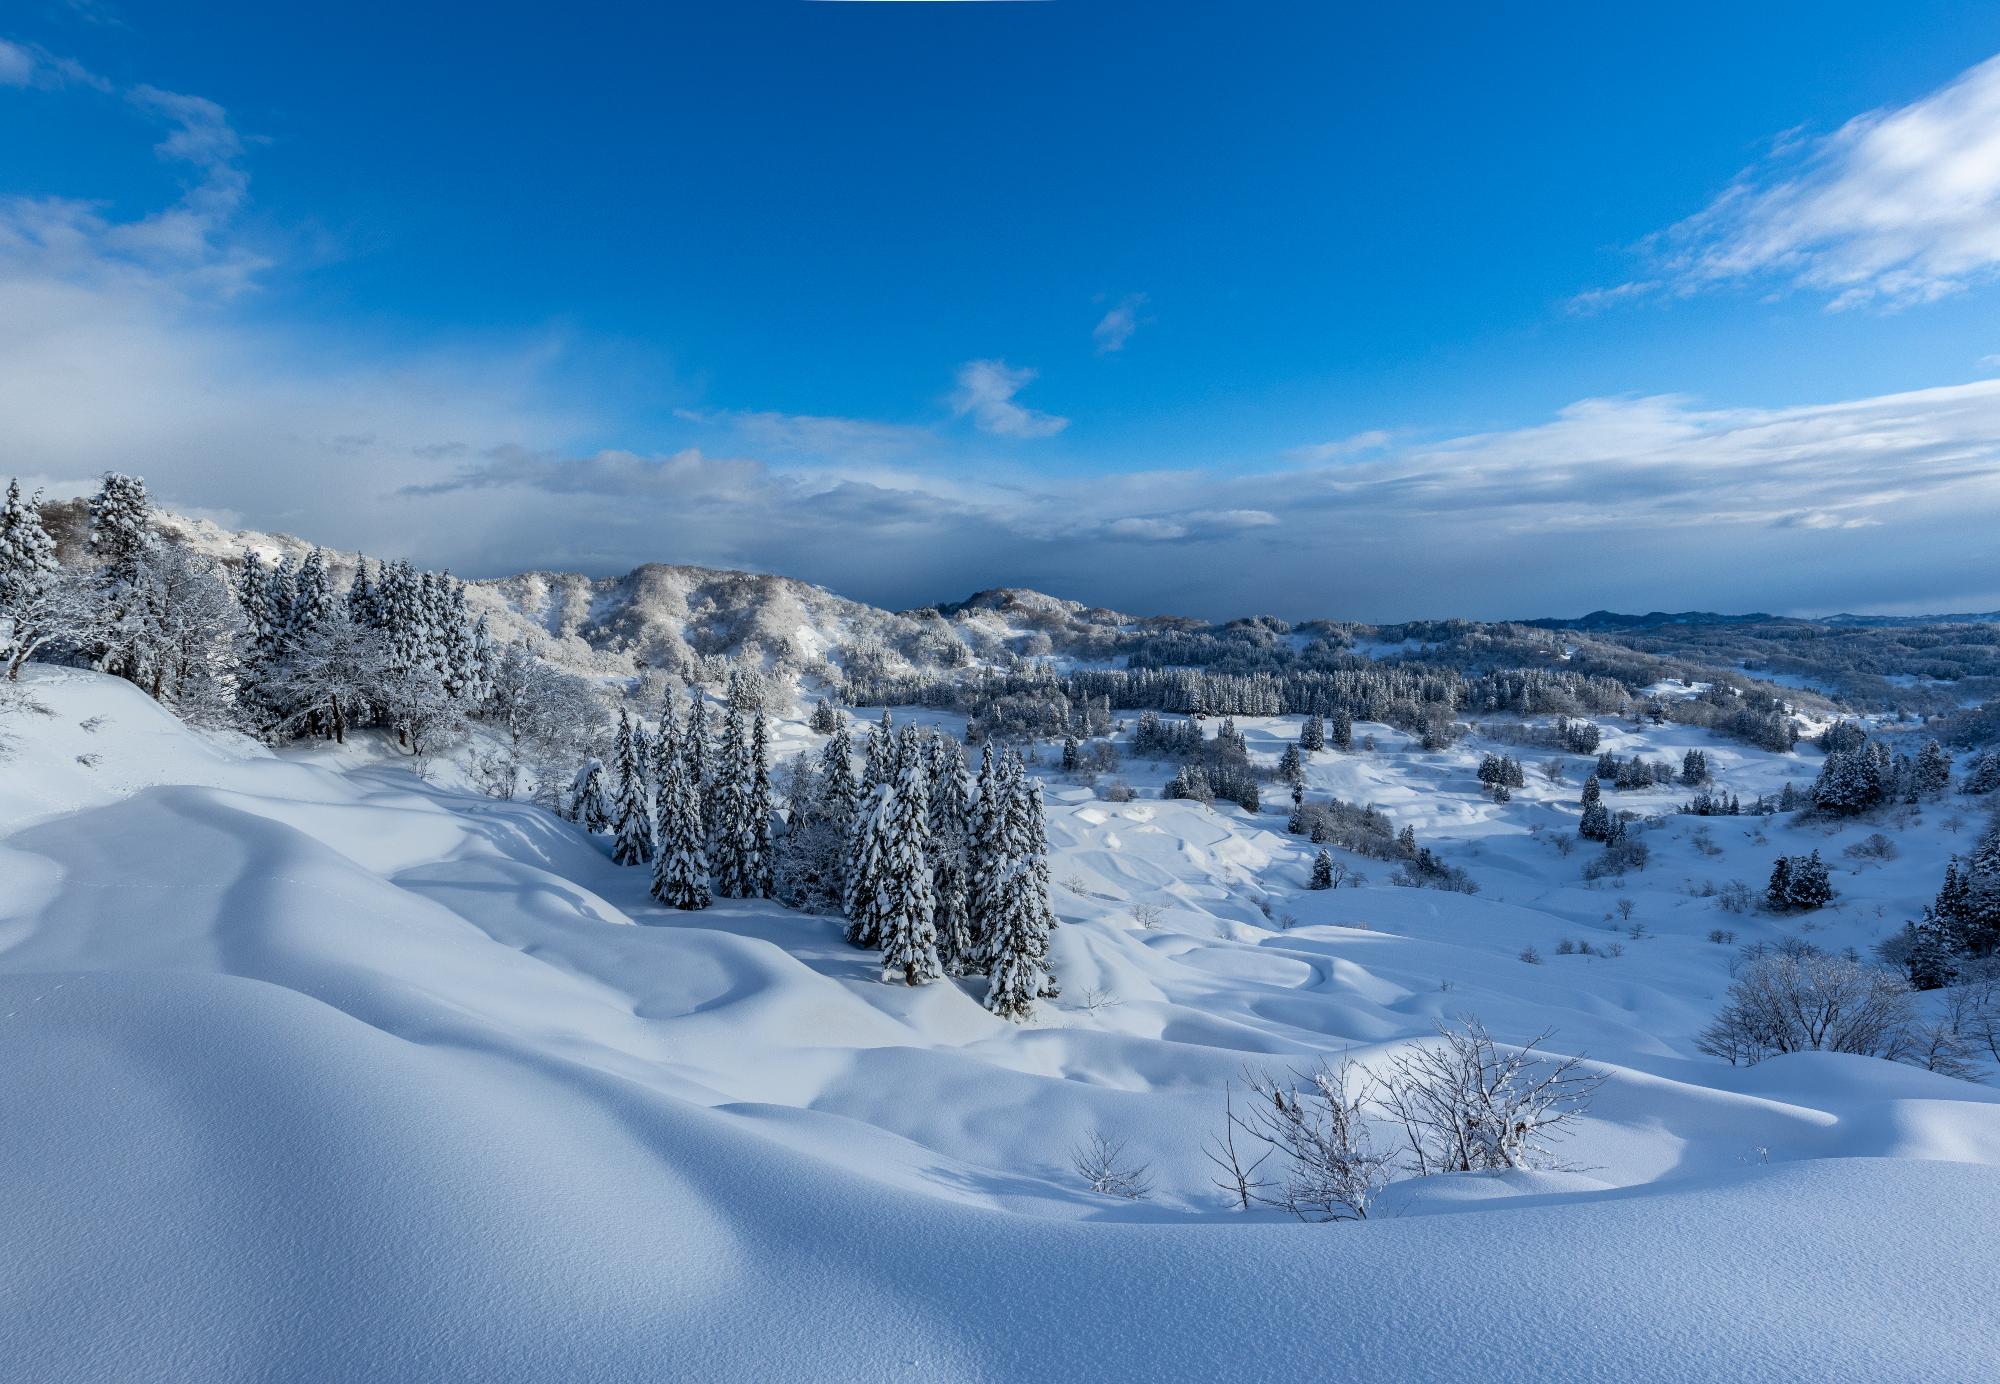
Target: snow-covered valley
{"type": "Point", "coordinates": [320, 1070]}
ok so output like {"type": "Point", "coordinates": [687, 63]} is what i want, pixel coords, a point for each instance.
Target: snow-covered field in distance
{"type": "Point", "coordinates": [315, 1070]}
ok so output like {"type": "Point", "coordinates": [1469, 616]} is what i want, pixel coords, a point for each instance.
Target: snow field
{"type": "Point", "coordinates": [318, 1071]}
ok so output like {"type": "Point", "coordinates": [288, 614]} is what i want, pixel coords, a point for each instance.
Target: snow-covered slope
{"type": "Point", "coordinates": [317, 1071]}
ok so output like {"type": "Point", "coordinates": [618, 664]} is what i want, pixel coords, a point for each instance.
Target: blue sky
{"type": "Point", "coordinates": [1187, 307]}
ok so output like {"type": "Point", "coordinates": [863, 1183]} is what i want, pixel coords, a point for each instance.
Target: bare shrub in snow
{"type": "Point", "coordinates": [1238, 1179]}
{"type": "Point", "coordinates": [1469, 1104]}
{"type": "Point", "coordinates": [1874, 846]}
{"type": "Point", "coordinates": [1146, 915]}
{"type": "Point", "coordinates": [1094, 999]}
{"type": "Point", "coordinates": [1531, 956]}
{"type": "Point", "coordinates": [1624, 854]}
{"type": "Point", "coordinates": [1800, 1000]}
{"type": "Point", "coordinates": [1117, 791]}
{"type": "Point", "coordinates": [1941, 1046]}
{"type": "Point", "coordinates": [1101, 1162]}
{"type": "Point", "coordinates": [1318, 1123]}
{"type": "Point", "coordinates": [1735, 897]}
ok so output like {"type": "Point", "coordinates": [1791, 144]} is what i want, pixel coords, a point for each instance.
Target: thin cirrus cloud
{"type": "Point", "coordinates": [1898, 206]}
{"type": "Point", "coordinates": [1359, 444]}
{"type": "Point", "coordinates": [1115, 328]}
{"type": "Point", "coordinates": [985, 393]}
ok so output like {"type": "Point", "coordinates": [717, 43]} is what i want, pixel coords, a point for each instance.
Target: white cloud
{"type": "Point", "coordinates": [815, 437]}
{"type": "Point", "coordinates": [1374, 440]}
{"type": "Point", "coordinates": [1115, 328]}
{"type": "Point", "coordinates": [985, 393]}
{"type": "Point", "coordinates": [1898, 206]}
{"type": "Point", "coordinates": [17, 65]}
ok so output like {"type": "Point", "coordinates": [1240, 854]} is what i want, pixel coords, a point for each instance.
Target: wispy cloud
{"type": "Point", "coordinates": [1899, 206]}
{"type": "Point", "coordinates": [985, 393]}
{"type": "Point", "coordinates": [17, 64]}
{"type": "Point", "coordinates": [1115, 328]}
{"type": "Point", "coordinates": [185, 247]}
{"type": "Point", "coordinates": [1359, 444]}
{"type": "Point", "coordinates": [815, 437]}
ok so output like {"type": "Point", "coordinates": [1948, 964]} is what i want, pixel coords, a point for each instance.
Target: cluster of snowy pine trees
{"type": "Point", "coordinates": [692, 800]}
{"type": "Point", "coordinates": [1860, 773]}
{"type": "Point", "coordinates": [944, 874]}
{"type": "Point", "coordinates": [1959, 936]}
{"type": "Point", "coordinates": [279, 652]}
{"type": "Point", "coordinates": [398, 648]}
{"type": "Point", "coordinates": [947, 876]}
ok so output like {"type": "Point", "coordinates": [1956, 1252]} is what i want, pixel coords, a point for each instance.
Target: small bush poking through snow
{"type": "Point", "coordinates": [1463, 1103]}
{"type": "Point", "coordinates": [1101, 1162]}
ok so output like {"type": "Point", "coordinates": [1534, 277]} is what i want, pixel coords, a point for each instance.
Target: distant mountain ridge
{"type": "Point", "coordinates": [1614, 620]}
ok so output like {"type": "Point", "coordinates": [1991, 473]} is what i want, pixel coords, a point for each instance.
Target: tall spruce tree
{"type": "Point", "coordinates": [1596, 824]}
{"type": "Point", "coordinates": [27, 553]}
{"type": "Point", "coordinates": [761, 882]}
{"type": "Point", "coordinates": [950, 826]}
{"type": "Point", "coordinates": [985, 857]}
{"type": "Point", "coordinates": [694, 748]}
{"type": "Point", "coordinates": [879, 763]}
{"type": "Point", "coordinates": [867, 867]}
{"type": "Point", "coordinates": [1322, 871]}
{"type": "Point", "coordinates": [634, 842]}
{"type": "Point", "coordinates": [588, 807]}
{"type": "Point", "coordinates": [732, 835]}
{"type": "Point", "coordinates": [903, 905]}
{"type": "Point", "coordinates": [120, 525]}
{"type": "Point", "coordinates": [680, 869]}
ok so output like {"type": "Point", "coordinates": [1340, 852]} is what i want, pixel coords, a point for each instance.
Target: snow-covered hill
{"type": "Point", "coordinates": [668, 617]}
{"type": "Point", "coordinates": [318, 1071]}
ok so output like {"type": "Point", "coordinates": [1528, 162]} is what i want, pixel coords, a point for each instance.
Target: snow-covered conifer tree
{"type": "Point", "coordinates": [120, 524]}
{"type": "Point", "coordinates": [1322, 872]}
{"type": "Point", "coordinates": [879, 764]}
{"type": "Point", "coordinates": [680, 869]}
{"type": "Point", "coordinates": [312, 597]}
{"type": "Point", "coordinates": [1930, 775]}
{"type": "Point", "coordinates": [588, 807]}
{"type": "Point", "coordinates": [363, 606]}
{"type": "Point", "coordinates": [630, 810]}
{"type": "Point", "coordinates": [760, 882]}
{"type": "Point", "coordinates": [903, 905]}
{"type": "Point", "coordinates": [27, 553]}
{"type": "Point", "coordinates": [732, 835]}
{"type": "Point", "coordinates": [985, 857]}
{"type": "Point", "coordinates": [694, 748]}
{"type": "Point", "coordinates": [1312, 735]}
{"type": "Point", "coordinates": [950, 825]}
{"type": "Point", "coordinates": [867, 866]}
{"type": "Point", "coordinates": [1596, 824]}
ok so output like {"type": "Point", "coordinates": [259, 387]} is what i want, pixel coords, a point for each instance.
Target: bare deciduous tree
{"type": "Point", "coordinates": [1801, 1001]}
